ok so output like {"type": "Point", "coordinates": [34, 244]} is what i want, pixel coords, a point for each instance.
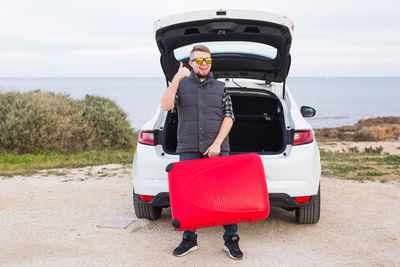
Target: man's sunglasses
{"type": "Point", "coordinates": [200, 61]}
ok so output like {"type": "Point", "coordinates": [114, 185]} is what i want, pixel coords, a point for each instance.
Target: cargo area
{"type": "Point", "coordinates": [259, 123]}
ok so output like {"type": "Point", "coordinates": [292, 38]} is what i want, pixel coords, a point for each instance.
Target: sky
{"type": "Point", "coordinates": [86, 38]}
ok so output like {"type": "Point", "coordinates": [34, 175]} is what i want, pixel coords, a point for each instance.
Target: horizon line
{"type": "Point", "coordinates": [161, 77]}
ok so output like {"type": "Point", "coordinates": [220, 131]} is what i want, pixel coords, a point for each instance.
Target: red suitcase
{"type": "Point", "coordinates": [217, 191]}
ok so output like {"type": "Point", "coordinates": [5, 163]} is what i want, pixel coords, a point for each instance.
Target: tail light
{"type": "Point", "coordinates": [303, 199]}
{"type": "Point", "coordinates": [145, 198]}
{"type": "Point", "coordinates": [302, 137]}
{"type": "Point", "coordinates": [146, 137]}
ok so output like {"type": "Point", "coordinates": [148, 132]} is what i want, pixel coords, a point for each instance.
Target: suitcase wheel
{"type": "Point", "coordinates": [169, 167]}
{"type": "Point", "coordinates": [176, 224]}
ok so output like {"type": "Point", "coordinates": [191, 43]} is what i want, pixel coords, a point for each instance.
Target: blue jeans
{"type": "Point", "coordinates": [230, 229]}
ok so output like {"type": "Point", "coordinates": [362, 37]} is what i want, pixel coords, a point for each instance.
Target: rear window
{"type": "Point", "coordinates": [244, 48]}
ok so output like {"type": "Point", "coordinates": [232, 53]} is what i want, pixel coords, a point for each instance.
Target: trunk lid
{"type": "Point", "coordinates": [244, 44]}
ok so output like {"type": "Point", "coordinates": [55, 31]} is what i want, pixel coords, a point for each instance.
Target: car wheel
{"type": "Point", "coordinates": [309, 214]}
{"type": "Point", "coordinates": [145, 211]}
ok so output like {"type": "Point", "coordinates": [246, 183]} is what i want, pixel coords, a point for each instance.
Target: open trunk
{"type": "Point", "coordinates": [259, 123]}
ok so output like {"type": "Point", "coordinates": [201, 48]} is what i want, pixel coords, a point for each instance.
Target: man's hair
{"type": "Point", "coordinates": [202, 48]}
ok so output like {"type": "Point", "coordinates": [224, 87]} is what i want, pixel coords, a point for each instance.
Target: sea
{"type": "Point", "coordinates": [338, 101]}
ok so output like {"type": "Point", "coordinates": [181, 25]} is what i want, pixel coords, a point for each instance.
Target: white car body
{"type": "Point", "coordinates": [293, 172]}
{"type": "Point", "coordinates": [301, 179]}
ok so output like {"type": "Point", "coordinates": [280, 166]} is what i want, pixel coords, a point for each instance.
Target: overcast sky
{"type": "Point", "coordinates": [85, 38]}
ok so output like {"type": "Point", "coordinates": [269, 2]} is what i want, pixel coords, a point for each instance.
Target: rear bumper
{"type": "Point", "coordinates": [276, 199]}
{"type": "Point", "coordinates": [295, 174]}
{"type": "Point", "coordinates": [159, 200]}
{"type": "Point", "coordinates": [285, 201]}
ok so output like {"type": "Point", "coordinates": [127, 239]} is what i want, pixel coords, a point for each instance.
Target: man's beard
{"type": "Point", "coordinates": [202, 76]}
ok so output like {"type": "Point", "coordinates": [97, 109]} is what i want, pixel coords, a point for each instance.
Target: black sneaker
{"type": "Point", "coordinates": [186, 246]}
{"type": "Point", "coordinates": [232, 247]}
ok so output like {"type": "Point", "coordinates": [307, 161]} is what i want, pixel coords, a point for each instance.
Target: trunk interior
{"type": "Point", "coordinates": [259, 123]}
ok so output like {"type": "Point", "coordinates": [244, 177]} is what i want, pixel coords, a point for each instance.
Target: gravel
{"type": "Point", "coordinates": [51, 221]}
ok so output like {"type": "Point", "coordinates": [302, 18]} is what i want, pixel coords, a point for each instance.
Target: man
{"type": "Point", "coordinates": [205, 117]}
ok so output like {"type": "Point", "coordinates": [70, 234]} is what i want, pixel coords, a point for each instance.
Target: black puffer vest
{"type": "Point", "coordinates": [199, 114]}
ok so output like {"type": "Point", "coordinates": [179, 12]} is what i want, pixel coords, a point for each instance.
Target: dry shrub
{"type": "Point", "coordinates": [373, 150]}
{"type": "Point", "coordinates": [377, 133]}
{"type": "Point", "coordinates": [334, 134]}
{"type": "Point", "coordinates": [375, 129]}
{"type": "Point", "coordinates": [379, 121]}
{"type": "Point", "coordinates": [327, 133]}
{"type": "Point", "coordinates": [36, 121]}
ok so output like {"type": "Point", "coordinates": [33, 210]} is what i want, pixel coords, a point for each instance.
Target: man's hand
{"type": "Point", "coordinates": [167, 100]}
{"type": "Point", "coordinates": [182, 72]}
{"type": "Point", "coordinates": [214, 150]}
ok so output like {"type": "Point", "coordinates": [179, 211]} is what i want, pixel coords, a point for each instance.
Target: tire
{"type": "Point", "coordinates": [145, 211]}
{"type": "Point", "coordinates": [309, 214]}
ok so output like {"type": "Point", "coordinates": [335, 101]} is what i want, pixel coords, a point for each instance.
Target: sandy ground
{"type": "Point", "coordinates": [390, 147]}
{"type": "Point", "coordinates": [51, 221]}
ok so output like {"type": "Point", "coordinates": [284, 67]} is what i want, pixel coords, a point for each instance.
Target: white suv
{"type": "Point", "coordinates": [250, 52]}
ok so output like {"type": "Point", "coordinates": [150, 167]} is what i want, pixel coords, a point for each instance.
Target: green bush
{"type": "Point", "coordinates": [108, 126]}
{"type": "Point", "coordinates": [37, 121]}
